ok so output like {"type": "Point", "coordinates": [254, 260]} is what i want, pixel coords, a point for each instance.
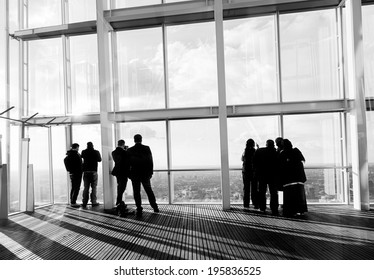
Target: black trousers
{"type": "Point", "coordinates": [146, 182]}
{"type": "Point", "coordinates": [274, 200]}
{"type": "Point", "coordinates": [250, 190]}
{"type": "Point", "coordinates": [76, 179]}
{"type": "Point", "coordinates": [121, 187]}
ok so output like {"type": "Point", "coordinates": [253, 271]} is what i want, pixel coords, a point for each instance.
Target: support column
{"type": "Point", "coordinates": [225, 172]}
{"type": "Point", "coordinates": [103, 29]}
{"type": "Point", "coordinates": [355, 66]}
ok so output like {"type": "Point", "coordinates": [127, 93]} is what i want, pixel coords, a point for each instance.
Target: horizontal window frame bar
{"type": "Point", "coordinates": [249, 110]}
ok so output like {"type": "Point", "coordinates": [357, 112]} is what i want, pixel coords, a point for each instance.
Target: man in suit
{"type": "Point", "coordinates": [73, 164]}
{"type": "Point", "coordinates": [141, 171]}
{"type": "Point", "coordinates": [91, 158]}
{"type": "Point", "coordinates": [265, 164]}
{"type": "Point", "coordinates": [121, 169]}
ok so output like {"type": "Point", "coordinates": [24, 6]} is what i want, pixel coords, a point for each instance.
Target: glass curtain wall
{"type": "Point", "coordinates": [368, 21]}
{"type": "Point", "coordinates": [307, 70]}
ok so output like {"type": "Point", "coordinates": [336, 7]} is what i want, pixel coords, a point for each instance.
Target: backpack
{"type": "Point", "coordinates": [121, 209]}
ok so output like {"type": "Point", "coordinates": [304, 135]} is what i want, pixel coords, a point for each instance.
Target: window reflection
{"type": "Point", "coordinates": [192, 65]}
{"type": "Point", "coordinates": [141, 76]}
{"type": "Point", "coordinates": [309, 63]}
{"type": "Point", "coordinates": [84, 74]}
{"type": "Point", "coordinates": [46, 82]}
{"type": "Point", "coordinates": [250, 60]}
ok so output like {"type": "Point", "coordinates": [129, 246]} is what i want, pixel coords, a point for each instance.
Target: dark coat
{"type": "Point", "coordinates": [90, 157]}
{"type": "Point", "coordinates": [141, 161]}
{"type": "Point", "coordinates": [265, 164]}
{"type": "Point", "coordinates": [73, 162]}
{"type": "Point", "coordinates": [247, 159]}
{"type": "Point", "coordinates": [292, 167]}
{"type": "Point", "coordinates": [121, 162]}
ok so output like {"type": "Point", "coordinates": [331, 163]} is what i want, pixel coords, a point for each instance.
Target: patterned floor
{"type": "Point", "coordinates": [191, 232]}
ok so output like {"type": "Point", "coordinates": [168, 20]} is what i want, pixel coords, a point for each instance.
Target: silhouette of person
{"type": "Point", "coordinates": [279, 144]}
{"type": "Point", "coordinates": [73, 164]}
{"type": "Point", "coordinates": [249, 181]}
{"type": "Point", "coordinates": [265, 164]}
{"type": "Point", "coordinates": [293, 179]}
{"type": "Point", "coordinates": [141, 172]}
{"type": "Point", "coordinates": [91, 158]}
{"type": "Point", "coordinates": [121, 169]}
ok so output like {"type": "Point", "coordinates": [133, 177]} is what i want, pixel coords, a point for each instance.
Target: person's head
{"type": "Point", "coordinates": [121, 143]}
{"type": "Point", "coordinates": [75, 146]}
{"type": "Point", "coordinates": [279, 142]}
{"type": "Point", "coordinates": [138, 138]}
{"type": "Point", "coordinates": [269, 143]}
{"type": "Point", "coordinates": [250, 143]}
{"type": "Point", "coordinates": [89, 145]}
{"type": "Point", "coordinates": [287, 145]}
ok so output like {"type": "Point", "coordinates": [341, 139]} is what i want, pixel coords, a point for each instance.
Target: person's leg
{"type": "Point", "coordinates": [86, 184]}
{"type": "Point", "coordinates": [246, 190]}
{"type": "Point", "coordinates": [254, 193]}
{"type": "Point", "coordinates": [151, 196]}
{"type": "Point", "coordinates": [137, 196]}
{"type": "Point", "coordinates": [121, 187]}
{"type": "Point", "coordinates": [274, 200]}
{"type": "Point", "coordinates": [262, 195]}
{"type": "Point", "coordinates": [94, 188]}
{"type": "Point", "coordinates": [76, 180]}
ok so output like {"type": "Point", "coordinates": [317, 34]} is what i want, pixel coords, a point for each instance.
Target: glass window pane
{"type": "Point", "coordinates": [82, 10]}
{"type": "Point", "coordinates": [240, 130]}
{"type": "Point", "coordinates": [14, 171]}
{"type": "Point", "coordinates": [324, 185]}
{"type": "Point", "coordinates": [195, 144]}
{"type": "Point", "coordinates": [39, 158]}
{"type": "Point", "coordinates": [160, 187]}
{"type": "Point", "coordinates": [192, 65]}
{"type": "Point", "coordinates": [154, 136]}
{"type": "Point", "coordinates": [46, 92]}
{"type": "Point", "coordinates": [60, 177]}
{"type": "Point", "coordinates": [135, 3]}
{"type": "Point", "coordinates": [44, 13]}
{"type": "Point", "coordinates": [368, 38]}
{"type": "Point", "coordinates": [84, 74]}
{"type": "Point", "coordinates": [89, 133]}
{"type": "Point", "coordinates": [309, 62]}
{"type": "Point", "coordinates": [317, 136]}
{"type": "Point", "coordinates": [141, 72]}
{"type": "Point", "coordinates": [370, 142]}
{"type": "Point", "coordinates": [197, 186]}
{"type": "Point", "coordinates": [250, 60]}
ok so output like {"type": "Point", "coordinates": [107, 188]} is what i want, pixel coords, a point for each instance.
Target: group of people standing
{"type": "Point", "coordinates": [279, 168]}
{"type": "Point", "coordinates": [135, 163]}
